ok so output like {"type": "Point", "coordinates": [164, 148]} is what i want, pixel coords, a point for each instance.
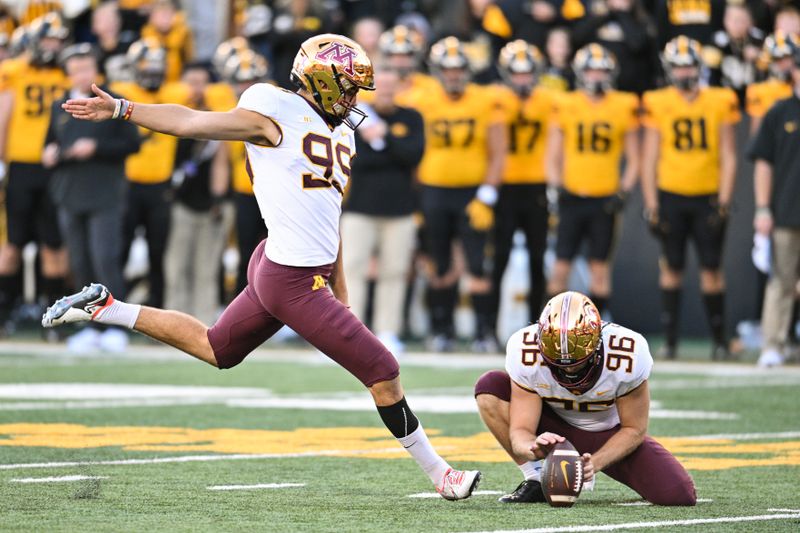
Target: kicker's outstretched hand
{"type": "Point", "coordinates": [101, 107]}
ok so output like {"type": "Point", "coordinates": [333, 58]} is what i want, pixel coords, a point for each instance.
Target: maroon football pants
{"type": "Point", "coordinates": [299, 298]}
{"type": "Point", "coordinates": [650, 469]}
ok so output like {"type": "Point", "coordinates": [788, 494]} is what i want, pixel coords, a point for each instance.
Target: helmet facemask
{"type": "Point", "coordinates": [570, 341]}
{"type": "Point", "coordinates": [336, 97]}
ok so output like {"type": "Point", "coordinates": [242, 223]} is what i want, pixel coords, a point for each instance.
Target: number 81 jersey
{"type": "Point", "coordinates": [299, 184]}
{"type": "Point", "coordinates": [626, 365]}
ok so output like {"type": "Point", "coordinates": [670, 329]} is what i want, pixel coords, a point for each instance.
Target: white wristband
{"type": "Point", "coordinates": [487, 194]}
{"type": "Point", "coordinates": [117, 108]}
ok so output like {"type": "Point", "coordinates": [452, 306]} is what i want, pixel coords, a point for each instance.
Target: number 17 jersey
{"type": "Point", "coordinates": [626, 365]}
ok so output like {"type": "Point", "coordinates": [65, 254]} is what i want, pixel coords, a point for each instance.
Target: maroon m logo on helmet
{"type": "Point", "coordinates": [341, 55]}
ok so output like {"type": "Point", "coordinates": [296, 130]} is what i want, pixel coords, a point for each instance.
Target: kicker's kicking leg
{"type": "Point", "coordinates": [95, 303]}
{"type": "Point", "coordinates": [177, 329]}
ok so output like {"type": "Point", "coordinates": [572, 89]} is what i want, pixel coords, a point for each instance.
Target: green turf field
{"type": "Point", "coordinates": [152, 441]}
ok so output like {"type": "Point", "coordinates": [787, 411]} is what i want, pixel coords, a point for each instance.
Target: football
{"type": "Point", "coordinates": [562, 475]}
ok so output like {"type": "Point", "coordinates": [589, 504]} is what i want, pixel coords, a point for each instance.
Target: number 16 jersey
{"type": "Point", "coordinates": [626, 365]}
{"type": "Point", "coordinates": [299, 183]}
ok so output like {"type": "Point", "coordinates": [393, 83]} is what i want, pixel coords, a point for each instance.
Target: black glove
{"type": "Point", "coordinates": [657, 227]}
{"type": "Point", "coordinates": [616, 204]}
{"type": "Point", "coordinates": [718, 218]}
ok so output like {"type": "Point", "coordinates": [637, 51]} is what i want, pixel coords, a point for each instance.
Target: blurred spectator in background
{"type": "Point", "coordinates": [168, 26]}
{"type": "Point", "coordinates": [7, 22]}
{"type": "Point", "coordinates": [687, 181]}
{"type": "Point", "coordinates": [134, 14]}
{"type": "Point", "coordinates": [378, 211]}
{"type": "Point", "coordinates": [698, 19]}
{"type": "Point", "coordinates": [558, 74]}
{"type": "Point", "coordinates": [787, 20]}
{"type": "Point", "coordinates": [592, 129]}
{"type": "Point", "coordinates": [367, 32]}
{"type": "Point", "coordinates": [89, 190]}
{"type": "Point", "coordinates": [460, 172]}
{"type": "Point", "coordinates": [777, 188]}
{"type": "Point", "coordinates": [733, 52]}
{"type": "Point", "coordinates": [529, 20]}
{"type": "Point", "coordinates": [29, 84]}
{"type": "Point", "coordinates": [255, 24]}
{"type": "Point", "coordinates": [522, 202]}
{"type": "Point", "coordinates": [112, 42]}
{"type": "Point", "coordinates": [150, 170]}
{"type": "Point", "coordinates": [201, 216]}
{"type": "Point", "coordinates": [624, 28]}
{"type": "Point", "coordinates": [294, 22]}
{"type": "Point", "coordinates": [779, 51]}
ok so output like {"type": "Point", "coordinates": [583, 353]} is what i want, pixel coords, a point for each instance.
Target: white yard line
{"type": "Point", "coordinates": [59, 479]}
{"type": "Point", "coordinates": [699, 500]}
{"type": "Point", "coordinates": [437, 495]}
{"type": "Point", "coordinates": [659, 524]}
{"type": "Point", "coordinates": [258, 486]}
{"type": "Point", "coordinates": [198, 458]}
{"type": "Point", "coordinates": [742, 436]}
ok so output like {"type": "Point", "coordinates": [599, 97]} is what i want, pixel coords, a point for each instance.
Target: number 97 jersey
{"type": "Point", "coordinates": [626, 365]}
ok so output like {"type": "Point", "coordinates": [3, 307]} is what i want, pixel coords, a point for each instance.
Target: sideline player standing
{"type": "Point", "coordinates": [687, 183]}
{"type": "Point", "coordinates": [592, 128]}
{"type": "Point", "coordinates": [299, 147]}
{"type": "Point", "coordinates": [572, 376]}
{"type": "Point", "coordinates": [522, 202]}
{"type": "Point", "coordinates": [465, 149]}
{"type": "Point", "coordinates": [29, 84]}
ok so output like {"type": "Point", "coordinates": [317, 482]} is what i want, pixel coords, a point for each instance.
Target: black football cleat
{"type": "Point", "coordinates": [529, 491]}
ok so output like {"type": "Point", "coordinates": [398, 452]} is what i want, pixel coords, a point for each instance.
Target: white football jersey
{"type": "Point", "coordinates": [299, 184]}
{"type": "Point", "coordinates": [627, 364]}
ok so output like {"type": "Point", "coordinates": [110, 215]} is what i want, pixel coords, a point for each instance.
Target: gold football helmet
{"type": "Point", "coordinates": [225, 51]}
{"type": "Point", "coordinates": [569, 335]}
{"type": "Point", "coordinates": [333, 68]}
{"type": "Point", "coordinates": [778, 47]}
{"type": "Point", "coordinates": [148, 59]}
{"type": "Point", "coordinates": [246, 67]}
{"type": "Point", "coordinates": [449, 63]}
{"type": "Point", "coordinates": [596, 58]}
{"type": "Point", "coordinates": [682, 52]}
{"type": "Point", "coordinates": [400, 40]}
{"type": "Point", "coordinates": [520, 57]}
{"type": "Point", "coordinates": [49, 26]}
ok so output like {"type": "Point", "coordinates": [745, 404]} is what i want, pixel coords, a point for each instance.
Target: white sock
{"type": "Point", "coordinates": [421, 449]}
{"type": "Point", "coordinates": [119, 314]}
{"type": "Point", "coordinates": [531, 470]}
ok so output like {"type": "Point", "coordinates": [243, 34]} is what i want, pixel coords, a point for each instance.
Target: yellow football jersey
{"type": "Point", "coordinates": [155, 160]}
{"type": "Point", "coordinates": [689, 149]}
{"type": "Point", "coordinates": [761, 96]}
{"type": "Point", "coordinates": [594, 138]}
{"type": "Point", "coordinates": [35, 90]}
{"type": "Point", "coordinates": [456, 134]}
{"type": "Point", "coordinates": [527, 132]}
